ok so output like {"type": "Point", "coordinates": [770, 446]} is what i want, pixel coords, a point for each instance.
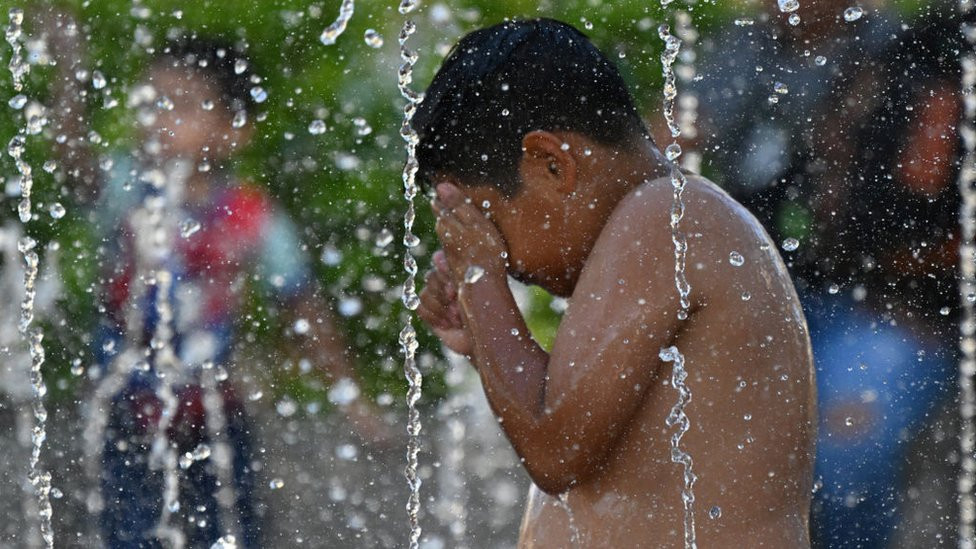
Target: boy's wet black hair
{"type": "Point", "coordinates": [218, 62]}
{"type": "Point", "coordinates": [504, 81]}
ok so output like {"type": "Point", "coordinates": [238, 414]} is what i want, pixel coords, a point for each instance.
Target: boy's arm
{"type": "Point", "coordinates": [563, 412]}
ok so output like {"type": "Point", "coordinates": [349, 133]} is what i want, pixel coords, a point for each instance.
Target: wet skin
{"type": "Point", "coordinates": [588, 419]}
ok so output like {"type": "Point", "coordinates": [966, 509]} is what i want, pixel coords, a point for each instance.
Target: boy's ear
{"type": "Point", "coordinates": [547, 161]}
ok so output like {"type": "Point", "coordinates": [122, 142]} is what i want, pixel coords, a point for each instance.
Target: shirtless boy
{"type": "Point", "coordinates": [544, 171]}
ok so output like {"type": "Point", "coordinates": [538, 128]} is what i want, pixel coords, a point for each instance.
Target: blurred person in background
{"type": "Point", "coordinates": [224, 234]}
{"type": "Point", "coordinates": [839, 133]}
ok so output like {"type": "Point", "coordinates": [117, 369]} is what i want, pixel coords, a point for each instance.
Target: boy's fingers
{"type": "Point", "coordinates": [449, 195]}
{"type": "Point", "coordinates": [433, 319]}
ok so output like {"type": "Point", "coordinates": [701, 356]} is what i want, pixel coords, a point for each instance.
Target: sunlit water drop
{"type": "Point", "coordinates": [473, 274]}
{"type": "Point", "coordinates": [316, 127]}
{"type": "Point", "coordinates": [853, 13]}
{"type": "Point", "coordinates": [373, 39]}
{"type": "Point", "coordinates": [791, 244]}
{"type": "Point", "coordinates": [788, 6]}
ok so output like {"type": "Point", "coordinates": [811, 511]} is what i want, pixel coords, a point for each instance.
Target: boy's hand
{"type": "Point", "coordinates": [440, 309]}
{"type": "Point", "coordinates": [470, 240]}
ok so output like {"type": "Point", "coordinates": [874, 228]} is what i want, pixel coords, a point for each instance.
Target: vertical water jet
{"type": "Point", "coordinates": [408, 336]}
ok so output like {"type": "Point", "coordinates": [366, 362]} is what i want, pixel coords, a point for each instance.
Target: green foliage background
{"type": "Point", "coordinates": [344, 208]}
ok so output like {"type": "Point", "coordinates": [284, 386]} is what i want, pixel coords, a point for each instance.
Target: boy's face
{"type": "Point", "coordinates": [193, 121]}
{"type": "Point", "coordinates": [568, 188]}
{"type": "Point", "coordinates": [532, 229]}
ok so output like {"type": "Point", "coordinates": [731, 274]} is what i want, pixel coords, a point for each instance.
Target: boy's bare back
{"type": "Point", "coordinates": [750, 372]}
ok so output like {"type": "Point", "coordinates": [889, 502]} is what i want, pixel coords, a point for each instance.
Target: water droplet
{"type": "Point", "coordinates": [18, 101]}
{"type": "Point", "coordinates": [944, 311]}
{"type": "Point", "coordinates": [56, 493]}
{"type": "Point", "coordinates": [240, 118]}
{"type": "Point", "coordinates": [331, 256]}
{"type": "Point", "coordinates": [820, 60]}
{"type": "Point", "coordinates": [259, 94]}
{"type": "Point", "coordinates": [316, 127]}
{"type": "Point", "coordinates": [715, 512]}
{"type": "Point", "coordinates": [240, 66]}
{"type": "Point", "coordinates": [301, 326]}
{"type": "Point", "coordinates": [352, 306]}
{"type": "Point", "coordinates": [787, 6]}
{"type": "Point", "coordinates": [373, 39]}
{"type": "Point", "coordinates": [98, 80]}
{"type": "Point", "coordinates": [791, 244]}
{"type": "Point", "coordinates": [736, 259]}
{"type": "Point", "coordinates": [853, 13]}
{"type": "Point", "coordinates": [207, 105]}
{"type": "Point", "coordinates": [672, 151]}
{"type": "Point", "coordinates": [384, 238]}
{"type": "Point", "coordinates": [188, 227]}
{"type": "Point", "coordinates": [50, 166]}
{"type": "Point", "coordinates": [746, 296]}
{"type": "Point", "coordinates": [473, 274]}
{"type": "Point", "coordinates": [794, 19]}
{"type": "Point", "coordinates": [514, 331]}
{"type": "Point", "coordinates": [833, 289]}
{"type": "Point", "coordinates": [276, 484]}
{"type": "Point", "coordinates": [781, 88]}
{"type": "Point", "coordinates": [849, 421]}
{"type": "Point", "coordinates": [744, 22]}
{"type": "Point", "coordinates": [343, 392]}
{"type": "Point", "coordinates": [56, 210]}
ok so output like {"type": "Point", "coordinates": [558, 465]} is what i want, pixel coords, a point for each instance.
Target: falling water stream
{"type": "Point", "coordinates": [967, 288]}
{"type": "Point", "coordinates": [677, 417]}
{"type": "Point", "coordinates": [38, 478]}
{"type": "Point", "coordinates": [408, 336]}
{"type": "Point", "coordinates": [333, 31]}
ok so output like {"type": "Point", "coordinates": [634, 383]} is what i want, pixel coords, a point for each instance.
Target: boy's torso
{"type": "Point", "coordinates": [752, 410]}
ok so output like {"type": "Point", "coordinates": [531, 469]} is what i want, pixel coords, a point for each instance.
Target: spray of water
{"type": "Point", "coordinates": [335, 30]}
{"type": "Point", "coordinates": [408, 336]}
{"type": "Point", "coordinates": [677, 417]}
{"type": "Point", "coordinates": [574, 533]}
{"type": "Point", "coordinates": [38, 478]}
{"type": "Point", "coordinates": [222, 455]}
{"type": "Point", "coordinates": [967, 288]}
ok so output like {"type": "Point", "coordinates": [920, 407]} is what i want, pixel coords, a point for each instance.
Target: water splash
{"type": "Point", "coordinates": [222, 456]}
{"type": "Point", "coordinates": [335, 30]}
{"type": "Point", "coordinates": [574, 533]}
{"type": "Point", "coordinates": [38, 478]}
{"type": "Point", "coordinates": [679, 418]}
{"type": "Point", "coordinates": [967, 287]}
{"type": "Point", "coordinates": [672, 45]}
{"type": "Point", "coordinates": [408, 336]}
{"type": "Point", "coordinates": [163, 454]}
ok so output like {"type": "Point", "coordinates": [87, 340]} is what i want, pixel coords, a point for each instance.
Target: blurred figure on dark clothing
{"type": "Point", "coordinates": [840, 134]}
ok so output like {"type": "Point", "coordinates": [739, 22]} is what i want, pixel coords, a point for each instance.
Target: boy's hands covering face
{"type": "Point", "coordinates": [468, 237]}
{"type": "Point", "coordinates": [472, 244]}
{"type": "Point", "coordinates": [440, 309]}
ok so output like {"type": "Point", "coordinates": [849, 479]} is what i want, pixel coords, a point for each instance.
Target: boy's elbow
{"type": "Point", "coordinates": [551, 481]}
{"type": "Point", "coordinates": [555, 473]}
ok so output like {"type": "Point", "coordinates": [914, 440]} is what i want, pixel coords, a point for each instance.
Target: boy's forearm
{"type": "Point", "coordinates": [512, 365]}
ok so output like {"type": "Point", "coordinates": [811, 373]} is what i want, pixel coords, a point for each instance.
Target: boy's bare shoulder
{"type": "Point", "coordinates": [706, 206]}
